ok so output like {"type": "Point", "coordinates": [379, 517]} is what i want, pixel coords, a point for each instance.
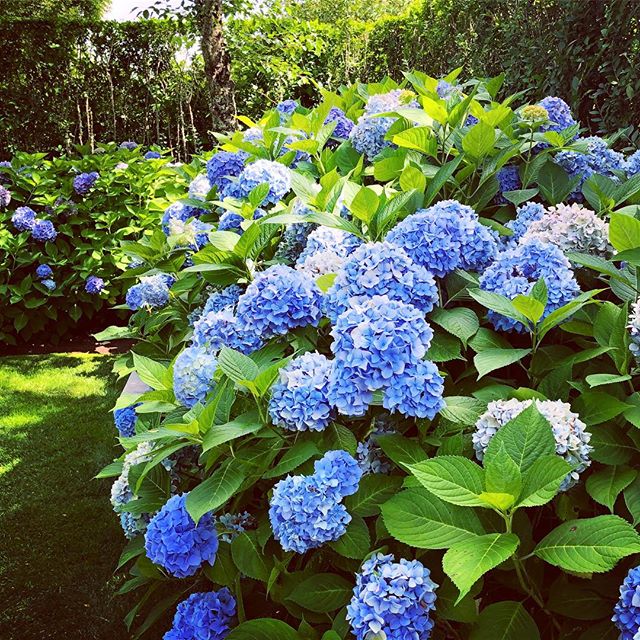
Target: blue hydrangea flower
{"type": "Point", "coordinates": [43, 231]}
{"type": "Point", "coordinates": [326, 250]}
{"type": "Point", "coordinates": [94, 285]}
{"type": "Point", "coordinates": [370, 457]}
{"type": "Point", "coordinates": [5, 197]}
{"type": "Point", "coordinates": [234, 524]}
{"type": "Point", "coordinates": [151, 291]}
{"type": "Point", "coordinates": [632, 164]}
{"type": "Point", "coordinates": [204, 616]}
{"type": "Point", "coordinates": [49, 284]}
{"type": "Point", "coordinates": [390, 101]}
{"type": "Point", "coordinates": [515, 272]}
{"type": "Point", "coordinates": [392, 600]}
{"type": "Point", "coordinates": [125, 420]}
{"type": "Point", "coordinates": [303, 516]}
{"type": "Point", "coordinates": [129, 145]}
{"type": "Point", "coordinates": [152, 155]}
{"type": "Point", "coordinates": [416, 392]}
{"type": "Point", "coordinates": [299, 398]}
{"type": "Point", "coordinates": [374, 342]}
{"type": "Point", "coordinates": [82, 184]}
{"type": "Point", "coordinates": [217, 329]}
{"type": "Point", "coordinates": [219, 300]}
{"type": "Point", "coordinates": [343, 124]}
{"type": "Point", "coordinates": [381, 269]}
{"type": "Point", "coordinates": [560, 117]}
{"type": "Point", "coordinates": [276, 175]}
{"type": "Point", "coordinates": [444, 237]}
{"type": "Point", "coordinates": [193, 373]}
{"type": "Point", "coordinates": [44, 271]}
{"type": "Point", "coordinates": [23, 218]}
{"type": "Point", "coordinates": [626, 614]}
{"type": "Point", "coordinates": [178, 212]}
{"type": "Point", "coordinates": [446, 90]}
{"type": "Point", "coordinates": [508, 180]}
{"type": "Point", "coordinates": [634, 330]}
{"type": "Point", "coordinates": [470, 121]}
{"type": "Point", "coordinates": [231, 221]}
{"type": "Point", "coordinates": [253, 134]}
{"type": "Point", "coordinates": [200, 187]}
{"type": "Point", "coordinates": [525, 215]}
{"type": "Point", "coordinates": [286, 109]}
{"type": "Point", "coordinates": [224, 167]}
{"type": "Point", "coordinates": [338, 474]}
{"type": "Point", "coordinates": [174, 542]}
{"type": "Point", "coordinates": [278, 300]}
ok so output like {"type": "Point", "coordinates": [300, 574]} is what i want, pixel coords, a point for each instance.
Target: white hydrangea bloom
{"type": "Point", "coordinates": [120, 491]}
{"type": "Point", "coordinates": [199, 187]}
{"type": "Point", "coordinates": [572, 438]}
{"type": "Point", "coordinates": [634, 330]}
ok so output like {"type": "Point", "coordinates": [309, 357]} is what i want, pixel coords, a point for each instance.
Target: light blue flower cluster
{"type": "Point", "coordinates": [381, 269]}
{"type": "Point", "coordinates": [446, 90]}
{"type": "Point", "coordinates": [23, 218]}
{"type": "Point", "coordinates": [193, 373]}
{"type": "Point", "coordinates": [152, 155]}
{"type": "Point", "coordinates": [370, 457]}
{"type": "Point", "coordinates": [299, 399]}
{"type": "Point", "coordinates": [307, 511]}
{"type": "Point", "coordinates": [5, 197]}
{"type": "Point", "coordinates": [223, 168]}
{"type": "Point", "coordinates": [125, 420]}
{"type": "Point", "coordinates": [176, 543]}
{"type": "Point", "coordinates": [129, 145]}
{"type": "Point", "coordinates": [516, 271]}
{"type": "Point", "coordinates": [276, 175]}
{"type": "Point", "coordinates": [49, 284]}
{"type": "Point", "coordinates": [444, 237]}
{"type": "Point", "coordinates": [525, 215]}
{"type": "Point", "coordinates": [151, 291]}
{"type": "Point", "coordinates": [417, 391]}
{"type": "Point", "coordinates": [178, 212]}
{"type": "Point", "coordinates": [204, 616]}
{"type": "Point", "coordinates": [217, 329]}
{"type": "Point", "coordinates": [286, 109]}
{"type": "Point", "coordinates": [43, 231]}
{"type": "Point", "coordinates": [326, 251]}
{"type": "Point", "coordinates": [278, 300]}
{"type": "Point", "coordinates": [343, 124]}
{"type": "Point", "coordinates": [94, 285]}
{"type": "Point", "coordinates": [634, 330]}
{"type": "Point", "coordinates": [632, 164]}
{"type": "Point", "coordinates": [234, 524]}
{"type": "Point", "coordinates": [219, 300]}
{"type": "Point", "coordinates": [44, 271]}
{"type": "Point", "coordinates": [508, 180]}
{"type": "Point", "coordinates": [199, 187]}
{"type": "Point", "coordinates": [375, 343]}
{"type": "Point", "coordinates": [82, 184]}
{"type": "Point", "coordinates": [626, 614]}
{"type": "Point", "coordinates": [560, 117]}
{"type": "Point", "coordinates": [392, 600]}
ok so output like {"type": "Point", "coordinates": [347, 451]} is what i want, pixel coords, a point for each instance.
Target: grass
{"type": "Point", "coordinates": [59, 539]}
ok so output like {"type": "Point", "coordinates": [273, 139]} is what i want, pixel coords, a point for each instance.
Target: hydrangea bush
{"type": "Point", "coordinates": [393, 392]}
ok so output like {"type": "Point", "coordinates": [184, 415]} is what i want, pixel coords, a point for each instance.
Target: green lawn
{"type": "Point", "coordinates": [59, 540]}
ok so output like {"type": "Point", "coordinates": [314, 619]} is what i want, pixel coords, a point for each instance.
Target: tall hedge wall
{"type": "Point", "coordinates": [65, 82]}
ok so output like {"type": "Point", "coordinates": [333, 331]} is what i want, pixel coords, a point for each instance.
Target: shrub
{"type": "Point", "coordinates": [435, 436]}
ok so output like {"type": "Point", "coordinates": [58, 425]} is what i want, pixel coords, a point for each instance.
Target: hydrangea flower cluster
{"type": "Point", "coordinates": [5, 197]}
{"type": "Point", "coordinates": [525, 215]}
{"type": "Point", "coordinates": [444, 237]}
{"type": "Point", "coordinates": [392, 600]}
{"type": "Point", "coordinates": [193, 234]}
{"type": "Point", "coordinates": [199, 187]}
{"type": "Point", "coordinates": [632, 164]}
{"type": "Point", "coordinates": [299, 399]}
{"type": "Point", "coordinates": [276, 175]}
{"type": "Point", "coordinates": [23, 218]}
{"type": "Point", "coordinates": [278, 300]}
{"type": "Point", "coordinates": [343, 124]}
{"type": "Point", "coordinates": [571, 228]}
{"type": "Point", "coordinates": [82, 184]}
{"type": "Point", "coordinates": [49, 284]}
{"type": "Point", "coordinates": [626, 614]}
{"type": "Point", "coordinates": [516, 271]}
{"type": "Point", "coordinates": [508, 180]}
{"type": "Point", "coordinates": [326, 251]}
{"type": "Point", "coordinates": [193, 373]}
{"type": "Point", "coordinates": [219, 300]}
{"type": "Point", "coordinates": [43, 231]}
{"type": "Point", "coordinates": [378, 344]}
{"type": "Point", "coordinates": [634, 330]}
{"type": "Point", "coordinates": [383, 269]}
{"type": "Point", "coordinates": [307, 511]}
{"type": "Point", "coordinates": [94, 285]}
{"type": "Point", "coordinates": [370, 457]}
{"type": "Point", "coordinates": [204, 616]}
{"type": "Point", "coordinates": [286, 109]}
{"type": "Point", "coordinates": [125, 420]}
{"type": "Point", "coordinates": [129, 145]}
{"type": "Point", "coordinates": [223, 168]}
{"type": "Point", "coordinates": [446, 90]}
{"type": "Point", "coordinates": [151, 291]}
{"type": "Point", "coordinates": [235, 524]}
{"type": "Point", "coordinates": [44, 271]}
{"type": "Point", "coordinates": [178, 212]}
{"type": "Point", "coordinates": [572, 437]}
{"type": "Point", "coordinates": [176, 543]}
{"type": "Point", "coordinates": [558, 112]}
{"type": "Point", "coordinates": [217, 329]}
{"type": "Point", "coordinates": [152, 155]}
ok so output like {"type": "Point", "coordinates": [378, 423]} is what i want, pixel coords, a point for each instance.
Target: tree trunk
{"type": "Point", "coordinates": [217, 64]}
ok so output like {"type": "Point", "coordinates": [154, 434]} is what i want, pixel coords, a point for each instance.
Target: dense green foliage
{"type": "Point", "coordinates": [515, 556]}
{"type": "Point", "coordinates": [123, 78]}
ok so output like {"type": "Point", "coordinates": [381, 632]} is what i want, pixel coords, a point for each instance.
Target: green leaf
{"type": "Point", "coordinates": [403, 451]}
{"type": "Point", "coordinates": [632, 500]}
{"type": "Point", "coordinates": [502, 474]}
{"type": "Point", "coordinates": [373, 490]}
{"type": "Point", "coordinates": [554, 183]}
{"type": "Point", "coordinates": [592, 545]}
{"type": "Point", "coordinates": [365, 204]}
{"type": "Point", "coordinates": [339, 437]}
{"type": "Point", "coordinates": [624, 232]}
{"type": "Point", "coordinates": [605, 485]}
{"type": "Point", "coordinates": [322, 593]}
{"type": "Point", "coordinates": [237, 366]}
{"type": "Point", "coordinates": [453, 479]}
{"type": "Point", "coordinates": [530, 307]}
{"type": "Point", "coordinates": [542, 480]}
{"type": "Point", "coordinates": [520, 196]}
{"type": "Point", "coordinates": [498, 303]}
{"type": "Point", "coordinates": [419, 519]}
{"type": "Point", "coordinates": [479, 141]}
{"type": "Point", "coordinates": [214, 491]}
{"type": "Point", "coordinates": [440, 179]}
{"type": "Point", "coordinates": [461, 322]}
{"type": "Point", "coordinates": [491, 359]}
{"type": "Point", "coordinates": [355, 541]}
{"type": "Point", "coordinates": [299, 453]}
{"type": "Point", "coordinates": [505, 620]}
{"type": "Point", "coordinates": [595, 407]}
{"type": "Point", "coordinates": [412, 178]}
{"type": "Point", "coordinates": [248, 557]}
{"type": "Point", "coordinates": [600, 379]}
{"type": "Point", "coordinates": [263, 629]}
{"type": "Point", "coordinates": [150, 372]}
{"type": "Point", "coordinates": [241, 426]}
{"type": "Point", "coordinates": [466, 562]}
{"type": "Point", "coordinates": [462, 410]}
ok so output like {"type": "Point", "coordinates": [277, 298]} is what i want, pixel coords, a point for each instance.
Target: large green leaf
{"type": "Point", "coordinates": [624, 232]}
{"type": "Point", "coordinates": [505, 620]}
{"type": "Point", "coordinates": [372, 492]}
{"type": "Point", "coordinates": [248, 556]}
{"type": "Point", "coordinates": [421, 520]}
{"type": "Point", "coordinates": [592, 545]}
{"type": "Point", "coordinates": [542, 480]}
{"type": "Point", "coordinates": [151, 372]}
{"type": "Point", "coordinates": [355, 541]}
{"type": "Point", "coordinates": [605, 485]}
{"type": "Point", "coordinates": [215, 490]}
{"type": "Point", "coordinates": [241, 426]}
{"type": "Point", "coordinates": [479, 141]}
{"type": "Point", "coordinates": [322, 593]}
{"type": "Point", "coordinates": [491, 359]}
{"type": "Point", "coordinates": [462, 323]}
{"type": "Point", "coordinates": [263, 629]}
{"type": "Point", "coordinates": [595, 407]}
{"type": "Point", "coordinates": [236, 365]}
{"type": "Point", "coordinates": [293, 458]}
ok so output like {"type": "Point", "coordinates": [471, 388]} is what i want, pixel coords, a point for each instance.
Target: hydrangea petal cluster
{"type": "Point", "coordinates": [508, 180]}
{"type": "Point", "coordinates": [446, 90]}
{"type": "Point", "coordinates": [570, 433]}
{"type": "Point", "coordinates": [382, 269]}
{"type": "Point", "coordinates": [82, 184]}
{"type": "Point", "coordinates": [176, 543]}
{"type": "Point", "coordinates": [43, 231]}
{"type": "Point", "coordinates": [125, 420]}
{"type": "Point", "coordinates": [572, 228]}
{"type": "Point", "coordinates": [178, 212]}
{"type": "Point", "coordinates": [626, 614]}
{"type": "Point", "coordinates": [632, 164]}
{"type": "Point", "coordinates": [152, 155]}
{"type": "Point", "coordinates": [234, 524]}
{"type": "Point", "coordinates": [5, 197]}
{"type": "Point", "coordinates": [129, 145]}
{"type": "Point", "coordinates": [299, 399]}
{"type": "Point", "coordinates": [276, 175]}
{"type": "Point", "coordinates": [193, 373]}
{"type": "Point", "coordinates": [444, 237]}
{"type": "Point", "coordinates": [338, 473]}
{"type": "Point", "coordinates": [516, 271]}
{"type": "Point", "coordinates": [49, 284]}
{"type": "Point", "coordinates": [217, 329]}
{"type": "Point", "coordinates": [94, 285]}
{"type": "Point", "coordinates": [151, 291]}
{"type": "Point", "coordinates": [343, 124]}
{"type": "Point", "coordinates": [224, 167]}
{"type": "Point", "coordinates": [634, 330]}
{"type": "Point", "coordinates": [44, 271]}
{"type": "Point", "coordinates": [559, 114]}
{"type": "Point", "coordinates": [392, 600]}
{"type": "Point", "coordinates": [193, 234]}
{"type": "Point", "coordinates": [525, 215]}
{"type": "Point", "coordinates": [416, 392]}
{"type": "Point", "coordinates": [278, 300]}
{"type": "Point", "coordinates": [219, 300]}
{"type": "Point", "coordinates": [286, 109]}
{"type": "Point", "coordinates": [23, 218]}
{"type": "Point", "coordinates": [199, 187]}
{"type": "Point", "coordinates": [370, 457]}
{"type": "Point", "coordinates": [204, 616]}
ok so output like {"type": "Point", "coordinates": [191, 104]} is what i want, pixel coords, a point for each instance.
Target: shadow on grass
{"type": "Point", "coordinates": [59, 539]}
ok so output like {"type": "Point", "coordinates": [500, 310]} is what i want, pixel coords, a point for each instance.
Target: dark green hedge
{"type": "Point", "coordinates": [64, 81]}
